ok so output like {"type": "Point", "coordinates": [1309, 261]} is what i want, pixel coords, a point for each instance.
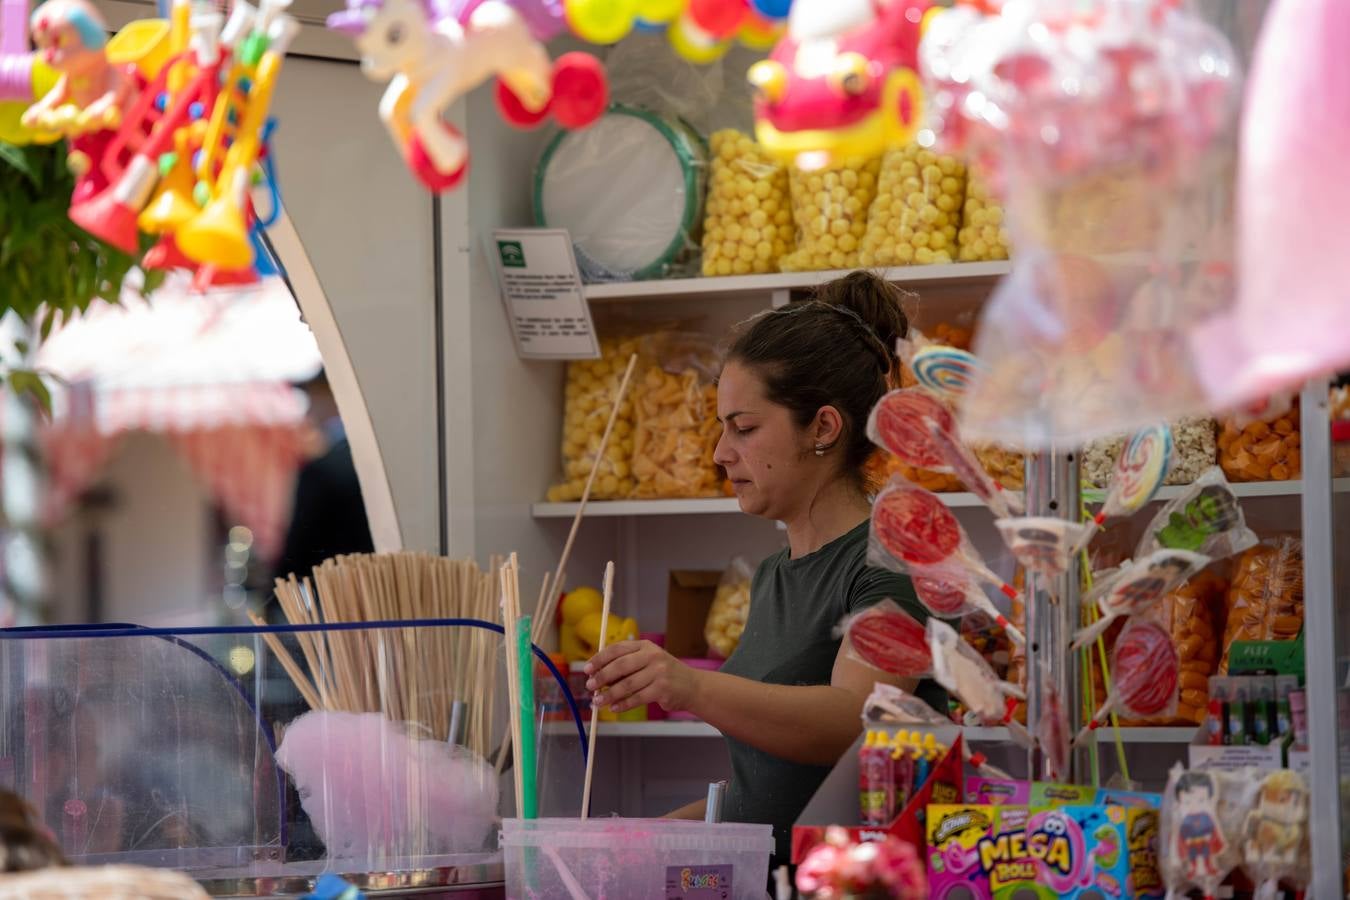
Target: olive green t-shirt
{"type": "Point", "coordinates": [789, 638]}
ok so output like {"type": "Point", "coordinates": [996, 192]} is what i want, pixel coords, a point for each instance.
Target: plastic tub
{"type": "Point", "coordinates": [710, 665]}
{"type": "Point", "coordinates": [609, 858]}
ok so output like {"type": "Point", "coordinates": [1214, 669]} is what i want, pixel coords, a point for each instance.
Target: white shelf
{"type": "Point", "coordinates": [1159, 736]}
{"type": "Point", "coordinates": [696, 507]}
{"type": "Point", "coordinates": [751, 285]}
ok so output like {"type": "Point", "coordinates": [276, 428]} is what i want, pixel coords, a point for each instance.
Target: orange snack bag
{"type": "Point", "coordinates": [1262, 451]}
{"type": "Point", "coordinates": [1265, 599]}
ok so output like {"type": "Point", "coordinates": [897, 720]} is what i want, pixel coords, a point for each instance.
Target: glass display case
{"type": "Point", "coordinates": [195, 750]}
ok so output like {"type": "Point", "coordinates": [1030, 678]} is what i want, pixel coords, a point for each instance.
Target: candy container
{"type": "Point", "coordinates": [963, 672]}
{"type": "Point", "coordinates": [1199, 849]}
{"type": "Point", "coordinates": [1137, 587]}
{"type": "Point", "coordinates": [949, 594]}
{"type": "Point", "coordinates": [1145, 674]}
{"type": "Point", "coordinates": [887, 638]}
{"type": "Point", "coordinates": [911, 527]}
{"type": "Point", "coordinates": [829, 209]}
{"type": "Point", "coordinates": [1205, 518]}
{"type": "Point", "coordinates": [433, 57]}
{"type": "Point", "coordinates": [1275, 833]}
{"type": "Point", "coordinates": [888, 703]}
{"type": "Point", "coordinates": [841, 84]}
{"type": "Point", "coordinates": [748, 223]}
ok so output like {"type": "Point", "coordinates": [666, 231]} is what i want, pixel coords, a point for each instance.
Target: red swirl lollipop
{"type": "Point", "coordinates": [887, 638]}
{"type": "Point", "coordinates": [914, 526]}
{"type": "Point", "coordinates": [950, 594]}
{"type": "Point", "coordinates": [902, 422]}
{"type": "Point", "coordinates": [1145, 674]}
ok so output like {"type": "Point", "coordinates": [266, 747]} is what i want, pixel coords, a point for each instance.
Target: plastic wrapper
{"type": "Point", "coordinates": [1275, 842]}
{"type": "Point", "coordinates": [1137, 587]}
{"type": "Point", "coordinates": [889, 704]}
{"type": "Point", "coordinates": [730, 606]}
{"type": "Point", "coordinates": [1201, 821]}
{"type": "Point", "coordinates": [589, 394]}
{"type": "Point", "coordinates": [987, 637]}
{"type": "Point", "coordinates": [1194, 449]}
{"type": "Point", "coordinates": [748, 214]}
{"type": "Point", "coordinates": [982, 236]}
{"type": "Point", "coordinates": [1080, 344]}
{"type": "Point", "coordinates": [1145, 675]}
{"type": "Point", "coordinates": [1206, 518]}
{"type": "Point", "coordinates": [917, 210]}
{"type": "Point", "coordinates": [1043, 545]}
{"type": "Point", "coordinates": [1189, 615]}
{"type": "Point", "coordinates": [676, 428]}
{"type": "Point", "coordinates": [1262, 451]}
{"type": "Point", "coordinates": [946, 334]}
{"type": "Point", "coordinates": [886, 637]}
{"type": "Point", "coordinates": [829, 210]}
{"type": "Point", "coordinates": [1265, 597]}
{"type": "Point", "coordinates": [1052, 731]}
{"type": "Point", "coordinates": [962, 671]}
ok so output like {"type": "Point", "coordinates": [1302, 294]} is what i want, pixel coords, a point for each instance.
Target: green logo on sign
{"type": "Point", "coordinates": [512, 254]}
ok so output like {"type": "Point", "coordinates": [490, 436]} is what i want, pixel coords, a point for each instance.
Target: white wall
{"type": "Point", "coordinates": [156, 542]}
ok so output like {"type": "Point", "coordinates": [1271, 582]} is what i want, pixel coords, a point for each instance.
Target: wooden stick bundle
{"type": "Point", "coordinates": [412, 675]}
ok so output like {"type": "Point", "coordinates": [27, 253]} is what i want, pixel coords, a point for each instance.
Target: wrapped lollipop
{"type": "Point", "coordinates": [1044, 545]}
{"type": "Point", "coordinates": [888, 703]}
{"type": "Point", "coordinates": [1205, 518]}
{"type": "Point", "coordinates": [1145, 673]}
{"type": "Point", "coordinates": [913, 530]}
{"type": "Point", "coordinates": [1275, 833]}
{"type": "Point", "coordinates": [921, 432]}
{"type": "Point", "coordinates": [1200, 848]}
{"type": "Point", "coordinates": [953, 594]}
{"type": "Point", "coordinates": [1052, 728]}
{"type": "Point", "coordinates": [1139, 472]}
{"type": "Point", "coordinates": [1137, 587]}
{"type": "Point", "coordinates": [943, 370]}
{"type": "Point", "coordinates": [886, 637]}
{"type": "Point", "coordinates": [962, 671]}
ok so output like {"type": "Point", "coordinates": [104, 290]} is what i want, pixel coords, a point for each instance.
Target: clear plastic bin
{"type": "Point", "coordinates": [569, 858]}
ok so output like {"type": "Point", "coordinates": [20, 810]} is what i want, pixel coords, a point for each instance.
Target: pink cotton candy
{"type": "Point", "coordinates": [376, 792]}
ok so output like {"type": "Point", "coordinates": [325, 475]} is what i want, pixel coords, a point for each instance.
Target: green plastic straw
{"type": "Point", "coordinates": [529, 746]}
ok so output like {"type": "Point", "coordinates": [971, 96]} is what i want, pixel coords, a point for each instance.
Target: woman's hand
{"type": "Point", "coordinates": [630, 674]}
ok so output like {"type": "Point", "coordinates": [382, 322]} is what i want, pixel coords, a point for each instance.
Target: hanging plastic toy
{"type": "Point", "coordinates": [434, 59]}
{"type": "Point", "coordinates": [843, 83]}
{"type": "Point", "coordinates": [24, 78]}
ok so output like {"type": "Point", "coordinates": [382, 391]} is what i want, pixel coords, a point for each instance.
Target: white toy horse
{"type": "Point", "coordinates": [432, 58]}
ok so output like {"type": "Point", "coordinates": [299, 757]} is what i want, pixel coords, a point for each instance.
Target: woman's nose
{"type": "Point", "coordinates": [722, 454]}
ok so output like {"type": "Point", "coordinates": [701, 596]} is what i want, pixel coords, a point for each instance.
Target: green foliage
{"type": "Point", "coordinates": [50, 268]}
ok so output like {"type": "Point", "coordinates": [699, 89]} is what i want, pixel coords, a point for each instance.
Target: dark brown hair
{"type": "Point", "coordinates": [24, 846]}
{"type": "Point", "coordinates": [836, 349]}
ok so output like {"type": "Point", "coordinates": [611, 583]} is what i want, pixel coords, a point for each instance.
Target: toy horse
{"type": "Point", "coordinates": [432, 58]}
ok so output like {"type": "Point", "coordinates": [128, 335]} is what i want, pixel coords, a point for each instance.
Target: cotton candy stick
{"type": "Point", "coordinates": [595, 707]}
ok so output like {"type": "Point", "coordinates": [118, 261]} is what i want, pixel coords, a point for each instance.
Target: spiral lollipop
{"type": "Point", "coordinates": [1138, 586]}
{"type": "Point", "coordinates": [1146, 673]}
{"type": "Point", "coordinates": [887, 638]}
{"type": "Point", "coordinates": [946, 371]}
{"type": "Point", "coordinates": [952, 594]}
{"type": "Point", "coordinates": [1139, 471]}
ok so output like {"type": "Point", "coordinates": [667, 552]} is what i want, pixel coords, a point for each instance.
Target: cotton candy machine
{"type": "Point", "coordinates": [193, 750]}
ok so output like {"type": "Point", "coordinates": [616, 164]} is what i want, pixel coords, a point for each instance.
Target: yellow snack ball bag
{"type": "Point", "coordinates": [589, 393]}
{"type": "Point", "coordinates": [982, 235]}
{"type": "Point", "coordinates": [917, 211]}
{"type": "Point", "coordinates": [747, 225]}
{"type": "Point", "coordinates": [829, 209]}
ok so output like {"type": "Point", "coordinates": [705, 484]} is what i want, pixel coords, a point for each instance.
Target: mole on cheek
{"type": "Point", "coordinates": [768, 465]}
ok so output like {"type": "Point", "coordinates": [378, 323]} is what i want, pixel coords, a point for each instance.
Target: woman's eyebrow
{"type": "Point", "coordinates": [731, 415]}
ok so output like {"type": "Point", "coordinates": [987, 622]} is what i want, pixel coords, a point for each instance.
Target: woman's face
{"type": "Point", "coordinates": [768, 458]}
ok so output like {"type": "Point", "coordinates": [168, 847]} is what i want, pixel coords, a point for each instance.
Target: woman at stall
{"type": "Point", "coordinates": [793, 399]}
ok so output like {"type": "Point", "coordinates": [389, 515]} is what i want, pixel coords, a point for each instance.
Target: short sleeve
{"type": "Point", "coordinates": [872, 585]}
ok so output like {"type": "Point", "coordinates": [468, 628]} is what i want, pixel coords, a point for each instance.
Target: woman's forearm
{"type": "Point", "coordinates": [696, 811]}
{"type": "Point", "coordinates": [810, 724]}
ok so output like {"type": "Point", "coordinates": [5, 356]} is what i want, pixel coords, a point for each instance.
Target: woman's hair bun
{"type": "Point", "coordinates": [877, 302]}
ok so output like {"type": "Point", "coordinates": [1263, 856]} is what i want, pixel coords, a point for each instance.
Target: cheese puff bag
{"type": "Point", "coordinates": [1202, 815]}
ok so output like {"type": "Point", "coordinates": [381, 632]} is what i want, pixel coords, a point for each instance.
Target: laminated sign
{"type": "Point", "coordinates": [541, 289]}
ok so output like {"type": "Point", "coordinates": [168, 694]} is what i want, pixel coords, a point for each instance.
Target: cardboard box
{"type": "Point", "coordinates": [688, 599]}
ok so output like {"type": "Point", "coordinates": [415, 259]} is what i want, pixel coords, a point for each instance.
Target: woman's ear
{"type": "Point", "coordinates": [828, 427]}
